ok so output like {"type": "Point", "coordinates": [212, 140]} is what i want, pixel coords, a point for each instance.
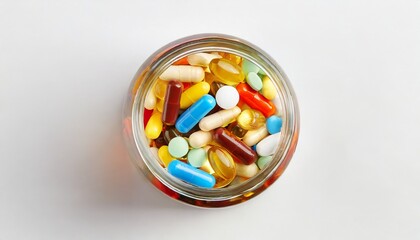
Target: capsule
{"type": "Point", "coordinates": [154, 126]}
{"type": "Point", "coordinates": [201, 59]}
{"type": "Point", "coordinates": [146, 116]}
{"type": "Point", "coordinates": [236, 130]}
{"type": "Point", "coordinates": [165, 156]}
{"type": "Point", "coordinates": [232, 57]}
{"type": "Point", "coordinates": [235, 146]}
{"type": "Point", "coordinates": [192, 94]}
{"type": "Point", "coordinates": [150, 101]}
{"type": "Point", "coordinates": [223, 165]}
{"type": "Point", "coordinates": [183, 73]}
{"type": "Point", "coordinates": [268, 145]}
{"type": "Point", "coordinates": [195, 113]}
{"type": "Point", "coordinates": [246, 171]}
{"type": "Point", "coordinates": [226, 71]}
{"type": "Point", "coordinates": [268, 89]}
{"type": "Point", "coordinates": [191, 175]}
{"type": "Point", "coordinates": [200, 139]}
{"type": "Point", "coordinates": [219, 119]}
{"type": "Point", "coordinates": [255, 100]}
{"type": "Point", "coordinates": [171, 104]}
{"type": "Point", "coordinates": [254, 136]}
{"type": "Point", "coordinates": [160, 89]}
{"type": "Point", "coordinates": [250, 119]}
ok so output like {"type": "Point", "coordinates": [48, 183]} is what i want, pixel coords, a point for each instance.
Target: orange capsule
{"type": "Point", "coordinates": [255, 100]}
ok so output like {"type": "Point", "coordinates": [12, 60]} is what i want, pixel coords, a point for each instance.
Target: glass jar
{"type": "Point", "coordinates": [138, 144]}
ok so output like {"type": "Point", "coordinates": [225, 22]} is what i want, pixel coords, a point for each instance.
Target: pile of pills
{"type": "Point", "coordinates": [213, 119]}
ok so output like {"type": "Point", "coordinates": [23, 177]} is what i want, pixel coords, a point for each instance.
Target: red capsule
{"type": "Point", "coordinates": [146, 116]}
{"type": "Point", "coordinates": [235, 146]}
{"type": "Point", "coordinates": [255, 100]}
{"type": "Point", "coordinates": [171, 104]}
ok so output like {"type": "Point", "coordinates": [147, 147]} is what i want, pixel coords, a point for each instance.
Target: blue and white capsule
{"type": "Point", "coordinates": [195, 113]}
{"type": "Point", "coordinates": [191, 174]}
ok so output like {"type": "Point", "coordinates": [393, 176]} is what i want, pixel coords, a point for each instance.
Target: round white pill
{"type": "Point", "coordinates": [227, 97]}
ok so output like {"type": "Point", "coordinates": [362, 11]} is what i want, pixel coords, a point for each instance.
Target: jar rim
{"type": "Point", "coordinates": [163, 58]}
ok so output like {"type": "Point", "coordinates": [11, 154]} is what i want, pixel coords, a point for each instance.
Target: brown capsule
{"type": "Point", "coordinates": [235, 146]}
{"type": "Point", "coordinates": [172, 102]}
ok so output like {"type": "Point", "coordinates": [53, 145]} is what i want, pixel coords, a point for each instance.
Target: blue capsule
{"type": "Point", "coordinates": [195, 113]}
{"type": "Point", "coordinates": [274, 124]}
{"type": "Point", "coordinates": [191, 174]}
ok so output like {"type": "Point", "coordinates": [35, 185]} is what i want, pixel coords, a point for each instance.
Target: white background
{"type": "Point", "coordinates": [65, 68]}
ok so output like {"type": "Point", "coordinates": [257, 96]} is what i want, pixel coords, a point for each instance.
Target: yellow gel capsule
{"type": "Point", "coordinates": [193, 93]}
{"type": "Point", "coordinates": [226, 71]}
{"type": "Point", "coordinates": [223, 166]}
{"type": "Point", "coordinates": [250, 119]}
{"type": "Point", "coordinates": [154, 126]}
{"type": "Point", "coordinates": [268, 89]}
{"type": "Point", "coordinates": [232, 57]}
{"type": "Point", "coordinates": [160, 89]}
{"type": "Point", "coordinates": [165, 156]}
